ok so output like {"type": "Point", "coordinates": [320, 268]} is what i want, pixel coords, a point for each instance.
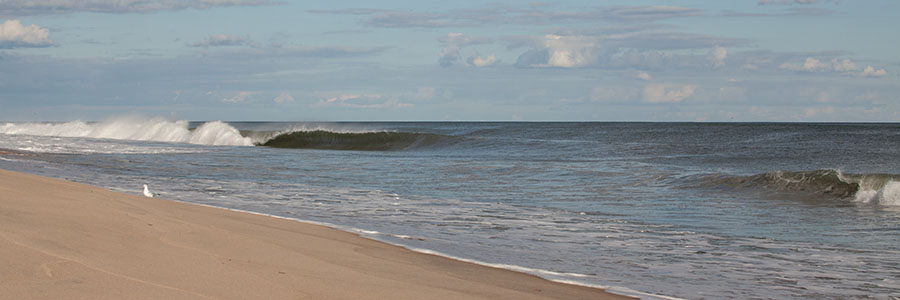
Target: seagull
{"type": "Point", "coordinates": [147, 192]}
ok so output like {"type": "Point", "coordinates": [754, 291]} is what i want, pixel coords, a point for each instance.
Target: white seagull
{"type": "Point", "coordinates": [147, 192]}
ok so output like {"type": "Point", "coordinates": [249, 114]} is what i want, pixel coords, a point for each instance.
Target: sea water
{"type": "Point", "coordinates": [685, 210]}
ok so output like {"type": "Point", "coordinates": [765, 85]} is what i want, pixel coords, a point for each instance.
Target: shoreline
{"type": "Point", "coordinates": [615, 290]}
{"type": "Point", "coordinates": [62, 238]}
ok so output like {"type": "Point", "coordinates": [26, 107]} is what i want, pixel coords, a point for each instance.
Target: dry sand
{"type": "Point", "coordinates": [64, 240]}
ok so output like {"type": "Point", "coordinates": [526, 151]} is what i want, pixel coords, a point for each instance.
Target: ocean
{"type": "Point", "coordinates": [657, 210]}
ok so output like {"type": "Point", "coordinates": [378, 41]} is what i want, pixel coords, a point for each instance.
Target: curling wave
{"type": "Point", "coordinates": [364, 141]}
{"type": "Point", "coordinates": [881, 189]}
{"type": "Point", "coordinates": [137, 129]}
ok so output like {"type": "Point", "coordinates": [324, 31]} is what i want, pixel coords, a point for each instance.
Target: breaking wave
{"type": "Point", "coordinates": [364, 141]}
{"type": "Point", "coordinates": [137, 129]}
{"type": "Point", "coordinates": [881, 189]}
{"type": "Point", "coordinates": [219, 133]}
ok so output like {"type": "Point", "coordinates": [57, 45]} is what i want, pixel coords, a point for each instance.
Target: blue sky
{"type": "Point", "coordinates": [740, 60]}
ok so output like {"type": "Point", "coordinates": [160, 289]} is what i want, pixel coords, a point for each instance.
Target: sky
{"type": "Point", "coordinates": [271, 60]}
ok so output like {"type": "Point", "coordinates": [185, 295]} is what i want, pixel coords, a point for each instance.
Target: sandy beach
{"type": "Point", "coordinates": [64, 240]}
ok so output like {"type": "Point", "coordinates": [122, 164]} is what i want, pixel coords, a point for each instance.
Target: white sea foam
{"type": "Point", "coordinates": [875, 189]}
{"type": "Point", "coordinates": [136, 129]}
{"type": "Point", "coordinates": [889, 194]}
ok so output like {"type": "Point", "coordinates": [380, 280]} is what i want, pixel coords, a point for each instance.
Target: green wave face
{"type": "Point", "coordinates": [367, 141]}
{"type": "Point", "coordinates": [817, 182]}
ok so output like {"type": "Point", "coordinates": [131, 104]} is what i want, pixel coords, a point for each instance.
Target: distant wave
{"type": "Point", "coordinates": [137, 129]}
{"type": "Point", "coordinates": [365, 141]}
{"type": "Point", "coordinates": [881, 189]}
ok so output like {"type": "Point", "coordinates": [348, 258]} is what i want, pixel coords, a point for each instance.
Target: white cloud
{"type": "Point", "coordinates": [216, 40]}
{"type": "Point", "coordinates": [569, 51]}
{"type": "Point", "coordinates": [845, 66]}
{"type": "Point", "coordinates": [563, 51]}
{"type": "Point", "coordinates": [633, 49]}
{"type": "Point", "coordinates": [14, 35]}
{"type": "Point", "coordinates": [452, 43]}
{"type": "Point", "coordinates": [810, 65]}
{"type": "Point", "coordinates": [717, 56]}
{"type": "Point", "coordinates": [643, 76]}
{"type": "Point", "coordinates": [667, 93]}
{"type": "Point", "coordinates": [285, 97]}
{"type": "Point", "coordinates": [870, 71]}
{"type": "Point", "coordinates": [238, 97]}
{"type": "Point", "coordinates": [362, 101]}
{"type": "Point", "coordinates": [479, 61]}
{"type": "Point", "coordinates": [450, 53]}
{"type": "Point", "coordinates": [341, 98]}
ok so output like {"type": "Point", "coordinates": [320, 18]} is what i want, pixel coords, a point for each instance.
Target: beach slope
{"type": "Point", "coordinates": [64, 240]}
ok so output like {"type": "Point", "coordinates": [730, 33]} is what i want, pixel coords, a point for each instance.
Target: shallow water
{"type": "Point", "coordinates": [684, 210]}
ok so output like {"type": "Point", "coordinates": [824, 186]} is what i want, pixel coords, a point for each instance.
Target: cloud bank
{"type": "Point", "coordinates": [15, 35]}
{"type": "Point", "coordinates": [845, 67]}
{"type": "Point", "coordinates": [668, 93]}
{"type": "Point", "coordinates": [505, 14]}
{"type": "Point", "coordinates": [362, 101]}
{"type": "Point", "coordinates": [54, 7]}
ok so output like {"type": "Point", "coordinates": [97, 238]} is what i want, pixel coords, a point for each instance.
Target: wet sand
{"type": "Point", "coordinates": [64, 240]}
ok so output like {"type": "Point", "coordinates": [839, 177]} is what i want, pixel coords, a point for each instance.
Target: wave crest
{"type": "Point", "coordinates": [137, 129]}
{"type": "Point", "coordinates": [364, 141]}
{"type": "Point", "coordinates": [881, 189]}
